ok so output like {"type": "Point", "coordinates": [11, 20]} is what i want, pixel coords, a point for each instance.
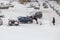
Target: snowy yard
{"type": "Point", "coordinates": [33, 31]}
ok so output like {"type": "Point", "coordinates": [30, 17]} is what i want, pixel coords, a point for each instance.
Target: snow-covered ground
{"type": "Point", "coordinates": [33, 31]}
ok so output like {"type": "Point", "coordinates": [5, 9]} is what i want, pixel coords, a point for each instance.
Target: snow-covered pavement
{"type": "Point", "coordinates": [30, 31]}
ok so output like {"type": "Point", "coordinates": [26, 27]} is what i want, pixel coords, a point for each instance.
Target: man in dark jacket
{"type": "Point", "coordinates": [53, 21]}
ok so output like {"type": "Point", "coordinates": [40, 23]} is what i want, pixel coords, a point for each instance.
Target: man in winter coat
{"type": "Point", "coordinates": [53, 21]}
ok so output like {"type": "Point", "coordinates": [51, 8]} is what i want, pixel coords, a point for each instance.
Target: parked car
{"type": "Point", "coordinates": [3, 6]}
{"type": "Point", "coordinates": [25, 20]}
{"type": "Point", "coordinates": [1, 22]}
{"type": "Point", "coordinates": [13, 22]}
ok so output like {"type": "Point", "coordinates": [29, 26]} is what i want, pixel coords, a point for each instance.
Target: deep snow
{"type": "Point", "coordinates": [30, 31]}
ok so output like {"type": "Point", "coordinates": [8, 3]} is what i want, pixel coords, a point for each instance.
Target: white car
{"type": "Point", "coordinates": [13, 22]}
{"type": "Point", "coordinates": [3, 6]}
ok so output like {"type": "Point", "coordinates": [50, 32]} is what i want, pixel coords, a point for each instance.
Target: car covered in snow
{"type": "Point", "coordinates": [13, 22]}
{"type": "Point", "coordinates": [25, 20]}
{"type": "Point", "coordinates": [3, 6]}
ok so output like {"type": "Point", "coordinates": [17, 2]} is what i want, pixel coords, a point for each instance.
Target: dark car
{"type": "Point", "coordinates": [25, 20]}
{"type": "Point", "coordinates": [13, 22]}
